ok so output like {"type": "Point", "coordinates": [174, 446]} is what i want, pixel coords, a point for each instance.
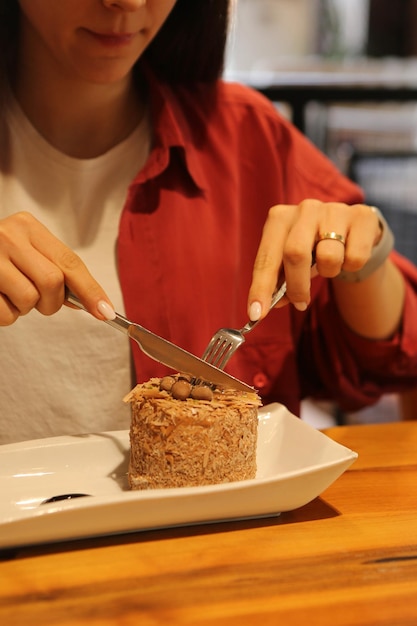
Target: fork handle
{"type": "Point", "coordinates": [276, 297]}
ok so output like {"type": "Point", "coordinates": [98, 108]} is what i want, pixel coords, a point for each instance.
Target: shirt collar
{"type": "Point", "coordinates": [171, 131]}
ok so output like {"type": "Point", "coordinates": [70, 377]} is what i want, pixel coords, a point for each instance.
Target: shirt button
{"type": "Point", "coordinates": [260, 380]}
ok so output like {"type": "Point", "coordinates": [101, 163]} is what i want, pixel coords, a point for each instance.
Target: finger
{"type": "Point", "coordinates": [17, 289]}
{"type": "Point", "coordinates": [332, 229]}
{"type": "Point", "coordinates": [71, 272]}
{"type": "Point", "coordinates": [28, 279]}
{"type": "Point", "coordinates": [267, 262]}
{"type": "Point", "coordinates": [298, 254]}
{"type": "Point", "coordinates": [29, 247]}
{"type": "Point", "coordinates": [364, 234]}
{"type": "Point", "coordinates": [330, 253]}
{"type": "Point", "coordinates": [33, 281]}
{"type": "Point", "coordinates": [80, 281]}
{"type": "Point", "coordinates": [8, 312]}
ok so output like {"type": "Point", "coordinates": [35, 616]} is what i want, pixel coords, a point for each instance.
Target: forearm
{"type": "Point", "coordinates": [372, 308]}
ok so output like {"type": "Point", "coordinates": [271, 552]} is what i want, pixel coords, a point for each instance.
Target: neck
{"type": "Point", "coordinates": [81, 119]}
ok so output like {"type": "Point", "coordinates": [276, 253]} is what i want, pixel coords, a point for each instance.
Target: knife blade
{"type": "Point", "coordinates": [168, 353]}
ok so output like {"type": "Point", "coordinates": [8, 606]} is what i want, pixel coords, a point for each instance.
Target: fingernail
{"type": "Point", "coordinates": [255, 311]}
{"type": "Point", "coordinates": [300, 306]}
{"type": "Point", "coordinates": [106, 310]}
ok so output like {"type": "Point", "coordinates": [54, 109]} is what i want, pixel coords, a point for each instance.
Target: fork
{"type": "Point", "coordinates": [226, 341]}
{"type": "Point", "coordinates": [168, 353]}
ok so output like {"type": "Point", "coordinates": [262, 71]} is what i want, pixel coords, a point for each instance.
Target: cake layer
{"type": "Point", "coordinates": [191, 442]}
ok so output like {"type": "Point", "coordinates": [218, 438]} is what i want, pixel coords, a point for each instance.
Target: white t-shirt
{"type": "Point", "coordinates": [67, 373]}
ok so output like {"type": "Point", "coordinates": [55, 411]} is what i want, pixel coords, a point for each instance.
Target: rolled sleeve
{"type": "Point", "coordinates": [353, 370]}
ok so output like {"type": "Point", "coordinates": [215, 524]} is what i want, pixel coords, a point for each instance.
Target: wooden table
{"type": "Point", "coordinates": [349, 557]}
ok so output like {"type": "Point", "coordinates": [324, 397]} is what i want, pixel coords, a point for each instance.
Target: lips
{"type": "Point", "coordinates": [113, 39]}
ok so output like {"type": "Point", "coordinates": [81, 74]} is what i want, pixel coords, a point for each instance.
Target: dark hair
{"type": "Point", "coordinates": [9, 30]}
{"type": "Point", "coordinates": [189, 48]}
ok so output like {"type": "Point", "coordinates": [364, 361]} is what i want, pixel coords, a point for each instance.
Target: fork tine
{"type": "Point", "coordinates": [215, 350]}
{"type": "Point", "coordinates": [226, 354]}
{"type": "Point", "coordinates": [219, 355]}
{"type": "Point", "coordinates": [226, 341]}
{"type": "Point", "coordinates": [212, 344]}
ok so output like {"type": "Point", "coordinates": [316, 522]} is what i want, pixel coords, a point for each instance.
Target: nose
{"type": "Point", "coordinates": [124, 5]}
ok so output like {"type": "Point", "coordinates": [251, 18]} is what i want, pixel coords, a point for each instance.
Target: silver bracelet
{"type": "Point", "coordinates": [379, 253]}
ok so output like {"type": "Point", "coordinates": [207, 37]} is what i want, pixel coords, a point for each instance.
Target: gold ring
{"type": "Point", "coordinates": [332, 235]}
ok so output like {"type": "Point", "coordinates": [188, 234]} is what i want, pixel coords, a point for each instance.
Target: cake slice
{"type": "Point", "coordinates": [184, 436]}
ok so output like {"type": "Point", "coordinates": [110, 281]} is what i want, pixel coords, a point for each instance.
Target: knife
{"type": "Point", "coordinates": [168, 353]}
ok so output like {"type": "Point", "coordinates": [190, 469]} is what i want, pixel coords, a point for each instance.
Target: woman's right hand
{"type": "Point", "coordinates": [35, 268]}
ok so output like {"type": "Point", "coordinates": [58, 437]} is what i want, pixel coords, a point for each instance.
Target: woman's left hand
{"type": "Point", "coordinates": [335, 236]}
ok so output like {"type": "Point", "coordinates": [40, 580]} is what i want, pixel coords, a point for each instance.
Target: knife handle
{"type": "Point", "coordinates": [119, 322]}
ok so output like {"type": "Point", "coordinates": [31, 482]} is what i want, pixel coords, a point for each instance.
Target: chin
{"type": "Point", "coordinates": [107, 76]}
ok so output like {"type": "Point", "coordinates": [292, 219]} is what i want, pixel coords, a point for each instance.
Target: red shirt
{"type": "Point", "coordinates": [189, 234]}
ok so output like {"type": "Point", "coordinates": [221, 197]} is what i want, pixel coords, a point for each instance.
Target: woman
{"type": "Point", "coordinates": [130, 172]}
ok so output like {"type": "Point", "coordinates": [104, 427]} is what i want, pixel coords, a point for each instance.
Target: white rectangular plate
{"type": "Point", "coordinates": [295, 464]}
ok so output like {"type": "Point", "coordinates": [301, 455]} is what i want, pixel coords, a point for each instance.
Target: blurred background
{"type": "Point", "coordinates": [345, 72]}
